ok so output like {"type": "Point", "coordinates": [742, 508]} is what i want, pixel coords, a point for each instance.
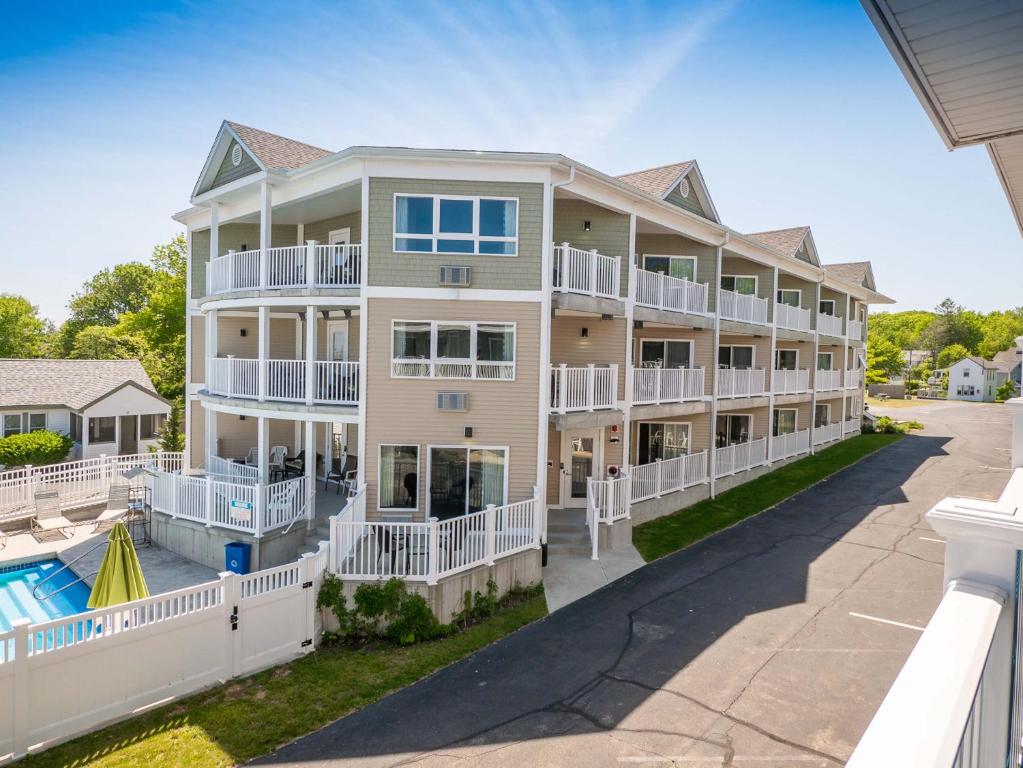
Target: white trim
{"type": "Point", "coordinates": [596, 434]}
{"type": "Point", "coordinates": [727, 415]}
{"type": "Point", "coordinates": [691, 342]}
{"type": "Point", "coordinates": [795, 421]}
{"type": "Point", "coordinates": [451, 294]}
{"type": "Point", "coordinates": [797, 291]}
{"type": "Point", "coordinates": [693, 259]}
{"type": "Point", "coordinates": [785, 349]}
{"type": "Point", "coordinates": [474, 237]}
{"type": "Point", "coordinates": [332, 326]}
{"type": "Point", "coordinates": [303, 412]}
{"type": "Point", "coordinates": [831, 361]}
{"type": "Point", "coordinates": [754, 278]}
{"type": "Point", "coordinates": [472, 360]}
{"type": "Point", "coordinates": [828, 301]}
{"type": "Point", "coordinates": [731, 366]}
{"type": "Point", "coordinates": [689, 432]}
{"type": "Point", "coordinates": [299, 300]}
{"type": "Point", "coordinates": [429, 470]}
{"type": "Point", "coordinates": [342, 235]}
{"type": "Point", "coordinates": [824, 405]}
{"type": "Point", "coordinates": [380, 463]}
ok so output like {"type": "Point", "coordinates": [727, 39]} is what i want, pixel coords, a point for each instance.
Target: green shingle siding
{"type": "Point", "coordinates": [232, 237]}
{"type": "Point", "coordinates": [422, 270]}
{"type": "Point", "coordinates": [320, 230]}
{"type": "Point", "coordinates": [609, 231]}
{"type": "Point", "coordinates": [736, 265]}
{"type": "Point", "coordinates": [229, 172]}
{"type": "Point", "coordinates": [691, 203]}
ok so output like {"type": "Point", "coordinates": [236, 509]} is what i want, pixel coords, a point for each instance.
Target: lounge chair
{"type": "Point", "coordinates": [48, 517]}
{"type": "Point", "coordinates": [118, 507]}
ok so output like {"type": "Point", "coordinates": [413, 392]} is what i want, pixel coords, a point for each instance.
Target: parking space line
{"type": "Point", "coordinates": [925, 538]}
{"type": "Point", "coordinates": [886, 621]}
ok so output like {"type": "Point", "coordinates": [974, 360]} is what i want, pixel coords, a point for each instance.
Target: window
{"type": "Point", "coordinates": [465, 479]}
{"type": "Point", "coordinates": [76, 428]}
{"type": "Point", "coordinates": [662, 440]}
{"type": "Point", "coordinates": [746, 284]}
{"type": "Point", "coordinates": [457, 225]}
{"type": "Point", "coordinates": [103, 429]}
{"type": "Point", "coordinates": [966, 373]}
{"type": "Point", "coordinates": [733, 428]}
{"type": "Point", "coordinates": [453, 350]}
{"type": "Point", "coordinates": [151, 424]}
{"type": "Point", "coordinates": [784, 421]}
{"type": "Point", "coordinates": [735, 356]}
{"type": "Point", "coordinates": [399, 477]}
{"type": "Point", "coordinates": [791, 296]}
{"type": "Point", "coordinates": [36, 422]}
{"type": "Point", "coordinates": [12, 424]}
{"type": "Point", "coordinates": [827, 307]}
{"type": "Point", "coordinates": [822, 415]}
{"type": "Point", "coordinates": [658, 353]}
{"type": "Point", "coordinates": [823, 361]}
{"type": "Point", "coordinates": [683, 267]}
{"type": "Point", "coordinates": [786, 360]}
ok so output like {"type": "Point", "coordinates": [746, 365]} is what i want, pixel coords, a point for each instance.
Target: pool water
{"type": "Point", "coordinates": [18, 602]}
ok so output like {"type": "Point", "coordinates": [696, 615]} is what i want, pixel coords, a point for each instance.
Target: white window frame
{"type": "Point", "coordinates": [671, 257]}
{"type": "Point", "coordinates": [827, 408]}
{"type": "Point", "coordinates": [785, 349]}
{"type": "Point", "coordinates": [753, 356]}
{"type": "Point", "coordinates": [754, 278]}
{"type": "Point", "coordinates": [826, 301]}
{"type": "Point", "coordinates": [475, 237]}
{"type": "Point", "coordinates": [797, 291]}
{"type": "Point", "coordinates": [3, 424]}
{"type": "Point", "coordinates": [429, 366]}
{"type": "Point", "coordinates": [429, 471]}
{"type": "Point", "coordinates": [689, 434]}
{"type": "Point", "coordinates": [729, 415]}
{"type": "Point", "coordinates": [419, 476]}
{"type": "Point", "coordinates": [28, 422]}
{"type": "Point", "coordinates": [831, 361]}
{"type": "Point", "coordinates": [690, 342]}
{"type": "Point", "coordinates": [795, 421]}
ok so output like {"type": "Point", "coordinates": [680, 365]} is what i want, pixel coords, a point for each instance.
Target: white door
{"type": "Point", "coordinates": [337, 340]}
{"type": "Point", "coordinates": [340, 236]}
{"type": "Point", "coordinates": [581, 459]}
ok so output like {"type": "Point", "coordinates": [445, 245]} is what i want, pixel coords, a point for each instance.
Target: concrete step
{"type": "Point", "coordinates": [567, 551]}
{"type": "Point", "coordinates": [568, 539]}
{"type": "Point", "coordinates": [566, 517]}
{"type": "Point", "coordinates": [566, 527]}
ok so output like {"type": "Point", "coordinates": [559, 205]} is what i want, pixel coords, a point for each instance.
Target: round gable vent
{"type": "Point", "coordinates": [236, 155]}
{"type": "Point", "coordinates": [683, 188]}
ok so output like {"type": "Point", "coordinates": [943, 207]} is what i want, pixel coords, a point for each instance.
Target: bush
{"type": "Point", "coordinates": [1006, 391]}
{"type": "Point", "coordinates": [34, 448]}
{"type": "Point", "coordinates": [381, 611]}
{"type": "Point", "coordinates": [886, 425]}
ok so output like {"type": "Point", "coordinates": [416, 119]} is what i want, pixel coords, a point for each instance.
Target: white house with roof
{"type": "Point", "coordinates": [974, 378]}
{"type": "Point", "coordinates": [106, 406]}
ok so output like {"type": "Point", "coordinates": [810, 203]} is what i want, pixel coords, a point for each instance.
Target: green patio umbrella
{"type": "Point", "coordinates": [119, 578]}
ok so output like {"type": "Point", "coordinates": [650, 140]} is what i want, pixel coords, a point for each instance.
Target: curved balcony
{"type": "Point", "coordinates": [329, 382]}
{"type": "Point", "coordinates": [294, 266]}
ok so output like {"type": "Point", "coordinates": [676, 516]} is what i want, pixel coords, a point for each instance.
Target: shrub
{"type": "Point", "coordinates": [1006, 391]}
{"type": "Point", "coordinates": [34, 448]}
{"type": "Point", "coordinates": [888, 426]}
{"type": "Point", "coordinates": [387, 611]}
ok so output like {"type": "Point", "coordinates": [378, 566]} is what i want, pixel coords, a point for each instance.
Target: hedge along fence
{"type": "Point", "coordinates": [35, 448]}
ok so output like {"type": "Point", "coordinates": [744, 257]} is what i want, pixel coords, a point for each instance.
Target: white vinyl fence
{"type": "Point", "coordinates": [586, 272]}
{"type": "Point", "coordinates": [743, 307]}
{"type": "Point", "coordinates": [739, 457]}
{"type": "Point", "coordinates": [826, 433]}
{"type": "Point", "coordinates": [741, 382]}
{"type": "Point", "coordinates": [792, 318]}
{"type": "Point", "coordinates": [791, 444]}
{"type": "Point", "coordinates": [851, 425]}
{"type": "Point", "coordinates": [583, 389]}
{"type": "Point", "coordinates": [666, 385]}
{"type": "Point", "coordinates": [653, 480]}
{"type": "Point", "coordinates": [829, 324]}
{"type": "Point", "coordinates": [785, 382]}
{"type": "Point", "coordinates": [826, 380]}
{"type": "Point", "coordinates": [65, 677]}
{"type": "Point", "coordinates": [671, 293]}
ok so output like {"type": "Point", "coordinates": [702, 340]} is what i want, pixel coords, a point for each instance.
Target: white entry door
{"type": "Point", "coordinates": [581, 459]}
{"type": "Point", "coordinates": [337, 340]}
{"type": "Point", "coordinates": [340, 236]}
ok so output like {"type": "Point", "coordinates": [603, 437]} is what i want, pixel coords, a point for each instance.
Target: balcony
{"type": "Point", "coordinates": [742, 307]}
{"type": "Point", "coordinates": [653, 386]}
{"type": "Point", "coordinates": [586, 272]}
{"type": "Point", "coordinates": [653, 480]}
{"type": "Point", "coordinates": [829, 325]}
{"type": "Point", "coordinates": [786, 382]}
{"type": "Point", "coordinates": [851, 425]}
{"type": "Point", "coordinates": [791, 318]}
{"type": "Point", "coordinates": [672, 294]}
{"type": "Point", "coordinates": [854, 379]}
{"type": "Point", "coordinates": [333, 382]}
{"type": "Point", "coordinates": [825, 380]}
{"type": "Point", "coordinates": [295, 266]}
{"type": "Point", "coordinates": [827, 433]}
{"type": "Point", "coordinates": [790, 444]}
{"type": "Point", "coordinates": [739, 457]}
{"type": "Point", "coordinates": [741, 382]}
{"type": "Point", "coordinates": [854, 328]}
{"type": "Point", "coordinates": [592, 388]}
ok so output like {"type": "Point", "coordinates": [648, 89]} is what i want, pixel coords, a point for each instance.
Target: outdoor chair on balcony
{"type": "Point", "coordinates": [252, 457]}
{"type": "Point", "coordinates": [351, 478]}
{"type": "Point", "coordinates": [336, 472]}
{"type": "Point", "coordinates": [390, 542]}
{"type": "Point", "coordinates": [276, 463]}
{"type": "Point", "coordinates": [48, 517]}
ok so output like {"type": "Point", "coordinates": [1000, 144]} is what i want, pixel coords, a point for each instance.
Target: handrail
{"type": "Point", "coordinates": [66, 566]}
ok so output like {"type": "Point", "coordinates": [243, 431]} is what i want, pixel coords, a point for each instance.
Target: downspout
{"type": "Point", "coordinates": [714, 360]}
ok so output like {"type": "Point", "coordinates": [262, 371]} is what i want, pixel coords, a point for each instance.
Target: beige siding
{"type": "Point", "coordinates": [197, 434]}
{"type": "Point", "coordinates": [553, 465]}
{"type": "Point", "coordinates": [699, 431]}
{"type": "Point", "coordinates": [520, 272]}
{"type": "Point", "coordinates": [676, 245]}
{"type": "Point", "coordinates": [703, 355]}
{"type": "Point", "coordinates": [197, 335]}
{"type": "Point", "coordinates": [836, 355]}
{"type": "Point", "coordinates": [609, 231]}
{"type": "Point", "coordinates": [804, 349]}
{"type": "Point", "coordinates": [736, 265]}
{"type": "Point", "coordinates": [839, 298]}
{"type": "Point", "coordinates": [761, 426]}
{"type": "Point", "coordinates": [501, 413]}
{"type": "Point", "coordinates": [323, 341]}
{"type": "Point", "coordinates": [603, 345]}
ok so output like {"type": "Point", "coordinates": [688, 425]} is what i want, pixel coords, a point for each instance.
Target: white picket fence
{"type": "Point", "coordinates": [792, 318]}
{"type": "Point", "coordinates": [69, 676]}
{"type": "Point", "coordinates": [791, 444]}
{"type": "Point", "coordinates": [670, 293]}
{"type": "Point", "coordinates": [664, 476]}
{"type": "Point", "coordinates": [292, 266]}
{"type": "Point", "coordinates": [586, 272]}
{"type": "Point", "coordinates": [739, 457]}
{"type": "Point", "coordinates": [785, 382]}
{"type": "Point", "coordinates": [743, 307]}
{"type": "Point", "coordinates": [826, 433]}
{"type": "Point", "coordinates": [666, 385]}
{"type": "Point", "coordinates": [741, 382]}
{"type": "Point", "coordinates": [589, 388]}
{"type": "Point", "coordinates": [79, 483]}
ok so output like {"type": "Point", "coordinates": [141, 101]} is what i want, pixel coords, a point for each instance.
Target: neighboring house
{"type": "Point", "coordinates": [974, 378]}
{"type": "Point", "coordinates": [1009, 360]}
{"type": "Point", "coordinates": [106, 406]}
{"type": "Point", "coordinates": [468, 328]}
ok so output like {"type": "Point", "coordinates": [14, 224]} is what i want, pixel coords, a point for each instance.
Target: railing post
{"type": "Point", "coordinates": [433, 548]}
{"type": "Point", "coordinates": [658, 375]}
{"type": "Point", "coordinates": [593, 272]}
{"type": "Point", "coordinates": [230, 268]}
{"type": "Point", "coordinates": [537, 521]}
{"type": "Point", "coordinates": [311, 267]}
{"type": "Point", "coordinates": [614, 383]}
{"type": "Point", "coordinates": [20, 700]}
{"type": "Point", "coordinates": [490, 531]}
{"type": "Point", "coordinates": [259, 504]}
{"type": "Point", "coordinates": [591, 386]}
{"type": "Point", "coordinates": [561, 387]}
{"type": "Point", "coordinates": [209, 502]}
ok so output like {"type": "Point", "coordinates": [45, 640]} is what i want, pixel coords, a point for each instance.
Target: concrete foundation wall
{"type": "Point", "coordinates": [651, 509]}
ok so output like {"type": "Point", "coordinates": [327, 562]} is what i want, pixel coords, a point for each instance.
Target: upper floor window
{"type": "Point", "coordinates": [452, 350]}
{"type": "Point", "coordinates": [827, 307]}
{"type": "Point", "coordinates": [682, 267]}
{"type": "Point", "coordinates": [487, 226]}
{"type": "Point", "coordinates": [746, 284]}
{"type": "Point", "coordinates": [791, 296]}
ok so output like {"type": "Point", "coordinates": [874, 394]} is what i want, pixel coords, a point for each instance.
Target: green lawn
{"type": "Point", "coordinates": [250, 717]}
{"type": "Point", "coordinates": [673, 532]}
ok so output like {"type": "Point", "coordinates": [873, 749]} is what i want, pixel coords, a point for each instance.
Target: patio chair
{"type": "Point", "coordinates": [336, 472]}
{"type": "Point", "coordinates": [351, 478]}
{"type": "Point", "coordinates": [48, 517]}
{"type": "Point", "coordinates": [276, 460]}
{"type": "Point", "coordinates": [252, 457]}
{"type": "Point", "coordinates": [118, 507]}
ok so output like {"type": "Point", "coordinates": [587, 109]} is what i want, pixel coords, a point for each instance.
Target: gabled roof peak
{"type": "Point", "coordinates": [274, 151]}
{"type": "Point", "coordinates": [658, 181]}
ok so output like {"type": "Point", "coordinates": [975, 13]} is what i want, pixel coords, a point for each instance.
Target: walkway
{"type": "Point", "coordinates": [777, 638]}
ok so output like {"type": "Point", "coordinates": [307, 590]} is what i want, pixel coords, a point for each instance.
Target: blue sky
{"type": "Point", "coordinates": [795, 112]}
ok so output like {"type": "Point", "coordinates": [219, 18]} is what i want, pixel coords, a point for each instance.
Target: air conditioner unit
{"type": "Point", "coordinates": [452, 401]}
{"type": "Point", "coordinates": [455, 277]}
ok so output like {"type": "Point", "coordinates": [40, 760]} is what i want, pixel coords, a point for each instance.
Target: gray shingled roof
{"type": "Point", "coordinates": [71, 383]}
{"type": "Point", "coordinates": [785, 240]}
{"type": "Point", "coordinates": [657, 181]}
{"type": "Point", "coordinates": [851, 272]}
{"type": "Point", "coordinates": [275, 151]}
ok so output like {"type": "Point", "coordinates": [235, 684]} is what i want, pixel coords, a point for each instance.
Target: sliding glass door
{"type": "Point", "coordinates": [465, 479]}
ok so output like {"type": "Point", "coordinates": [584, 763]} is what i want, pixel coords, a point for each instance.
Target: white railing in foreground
{"type": "Point", "coordinates": [792, 318]}
{"type": "Point", "coordinates": [650, 481]}
{"type": "Point", "coordinates": [310, 265]}
{"type": "Point", "coordinates": [78, 482]}
{"type": "Point", "coordinates": [739, 457]}
{"type": "Point", "coordinates": [851, 425]}
{"type": "Point", "coordinates": [234, 271]}
{"type": "Point", "coordinates": [431, 550]}
{"type": "Point", "coordinates": [200, 636]}
{"type": "Point", "coordinates": [334, 382]}
{"type": "Point", "coordinates": [232, 376]}
{"type": "Point", "coordinates": [339, 266]}
{"type": "Point", "coordinates": [583, 389]}
{"type": "Point", "coordinates": [829, 325]}
{"type": "Point", "coordinates": [854, 328]}
{"type": "Point", "coordinates": [854, 378]}
{"type": "Point", "coordinates": [586, 272]}
{"type": "Point", "coordinates": [231, 470]}
{"type": "Point", "coordinates": [671, 293]}
{"type": "Point", "coordinates": [666, 385]}
{"type": "Point", "coordinates": [606, 502]}
{"type": "Point", "coordinates": [742, 306]}
{"type": "Point", "coordinates": [826, 380]}
{"type": "Point", "coordinates": [741, 382]}
{"type": "Point", "coordinates": [785, 382]}
{"type": "Point", "coordinates": [827, 432]}
{"type": "Point", "coordinates": [791, 444]}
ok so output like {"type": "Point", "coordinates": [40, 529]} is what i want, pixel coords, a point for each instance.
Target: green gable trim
{"type": "Point", "coordinates": [229, 172]}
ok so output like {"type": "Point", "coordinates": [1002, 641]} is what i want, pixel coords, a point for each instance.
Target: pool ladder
{"type": "Point", "coordinates": [66, 566]}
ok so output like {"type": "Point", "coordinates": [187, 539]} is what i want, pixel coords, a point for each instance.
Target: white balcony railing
{"type": "Point", "coordinates": [829, 325]}
{"type": "Point", "coordinates": [334, 382]}
{"type": "Point", "coordinates": [855, 330]}
{"type": "Point", "coordinates": [293, 266]}
{"type": "Point", "coordinates": [670, 293]}
{"type": "Point", "coordinates": [741, 382]}
{"type": "Point", "coordinates": [657, 478]}
{"type": "Point", "coordinates": [590, 388]}
{"type": "Point", "coordinates": [827, 433]}
{"type": "Point", "coordinates": [826, 380]}
{"type": "Point", "coordinates": [742, 307]}
{"type": "Point", "coordinates": [792, 318]}
{"type": "Point", "coordinates": [791, 444]}
{"type": "Point", "coordinates": [854, 378]}
{"type": "Point", "coordinates": [785, 382]}
{"type": "Point", "coordinates": [586, 272]}
{"type": "Point", "coordinates": [851, 425]}
{"type": "Point", "coordinates": [666, 385]}
{"type": "Point", "coordinates": [739, 457]}
{"type": "Point", "coordinates": [451, 368]}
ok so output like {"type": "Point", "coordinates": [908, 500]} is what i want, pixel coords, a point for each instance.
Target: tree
{"type": "Point", "coordinates": [1000, 330]}
{"type": "Point", "coordinates": [22, 332]}
{"type": "Point", "coordinates": [901, 328]}
{"type": "Point", "coordinates": [106, 297]}
{"type": "Point", "coordinates": [172, 438]}
{"type": "Point", "coordinates": [1006, 390]}
{"type": "Point", "coordinates": [884, 360]}
{"type": "Point", "coordinates": [953, 353]}
{"type": "Point", "coordinates": [100, 342]}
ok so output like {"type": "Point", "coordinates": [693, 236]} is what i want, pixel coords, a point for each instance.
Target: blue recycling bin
{"type": "Point", "coordinates": [237, 556]}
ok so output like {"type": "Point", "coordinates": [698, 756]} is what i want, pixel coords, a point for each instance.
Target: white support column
{"type": "Point", "coordinates": [310, 471]}
{"type": "Point", "coordinates": [311, 270]}
{"type": "Point", "coordinates": [265, 231]}
{"type": "Point", "coordinates": [1015, 407]}
{"type": "Point", "coordinates": [769, 374]}
{"type": "Point", "coordinates": [845, 363]}
{"type": "Point", "coordinates": [263, 349]}
{"type": "Point", "coordinates": [716, 294]}
{"type": "Point", "coordinates": [210, 443]}
{"type": "Point", "coordinates": [544, 356]}
{"type": "Point", "coordinates": [630, 309]}
{"type": "Point", "coordinates": [310, 353]}
{"type": "Point", "coordinates": [117, 435]}
{"type": "Point", "coordinates": [212, 337]}
{"type": "Point", "coordinates": [813, 370]}
{"type": "Point", "coordinates": [214, 239]}
{"type": "Point", "coordinates": [138, 433]}
{"type": "Point", "coordinates": [363, 327]}
{"type": "Point", "coordinates": [263, 449]}
{"type": "Point", "coordinates": [85, 435]}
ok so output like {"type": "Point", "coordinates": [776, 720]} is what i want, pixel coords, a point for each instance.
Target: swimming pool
{"type": "Point", "coordinates": [17, 600]}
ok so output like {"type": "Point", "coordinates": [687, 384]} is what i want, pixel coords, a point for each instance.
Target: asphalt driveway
{"type": "Point", "coordinates": [770, 644]}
